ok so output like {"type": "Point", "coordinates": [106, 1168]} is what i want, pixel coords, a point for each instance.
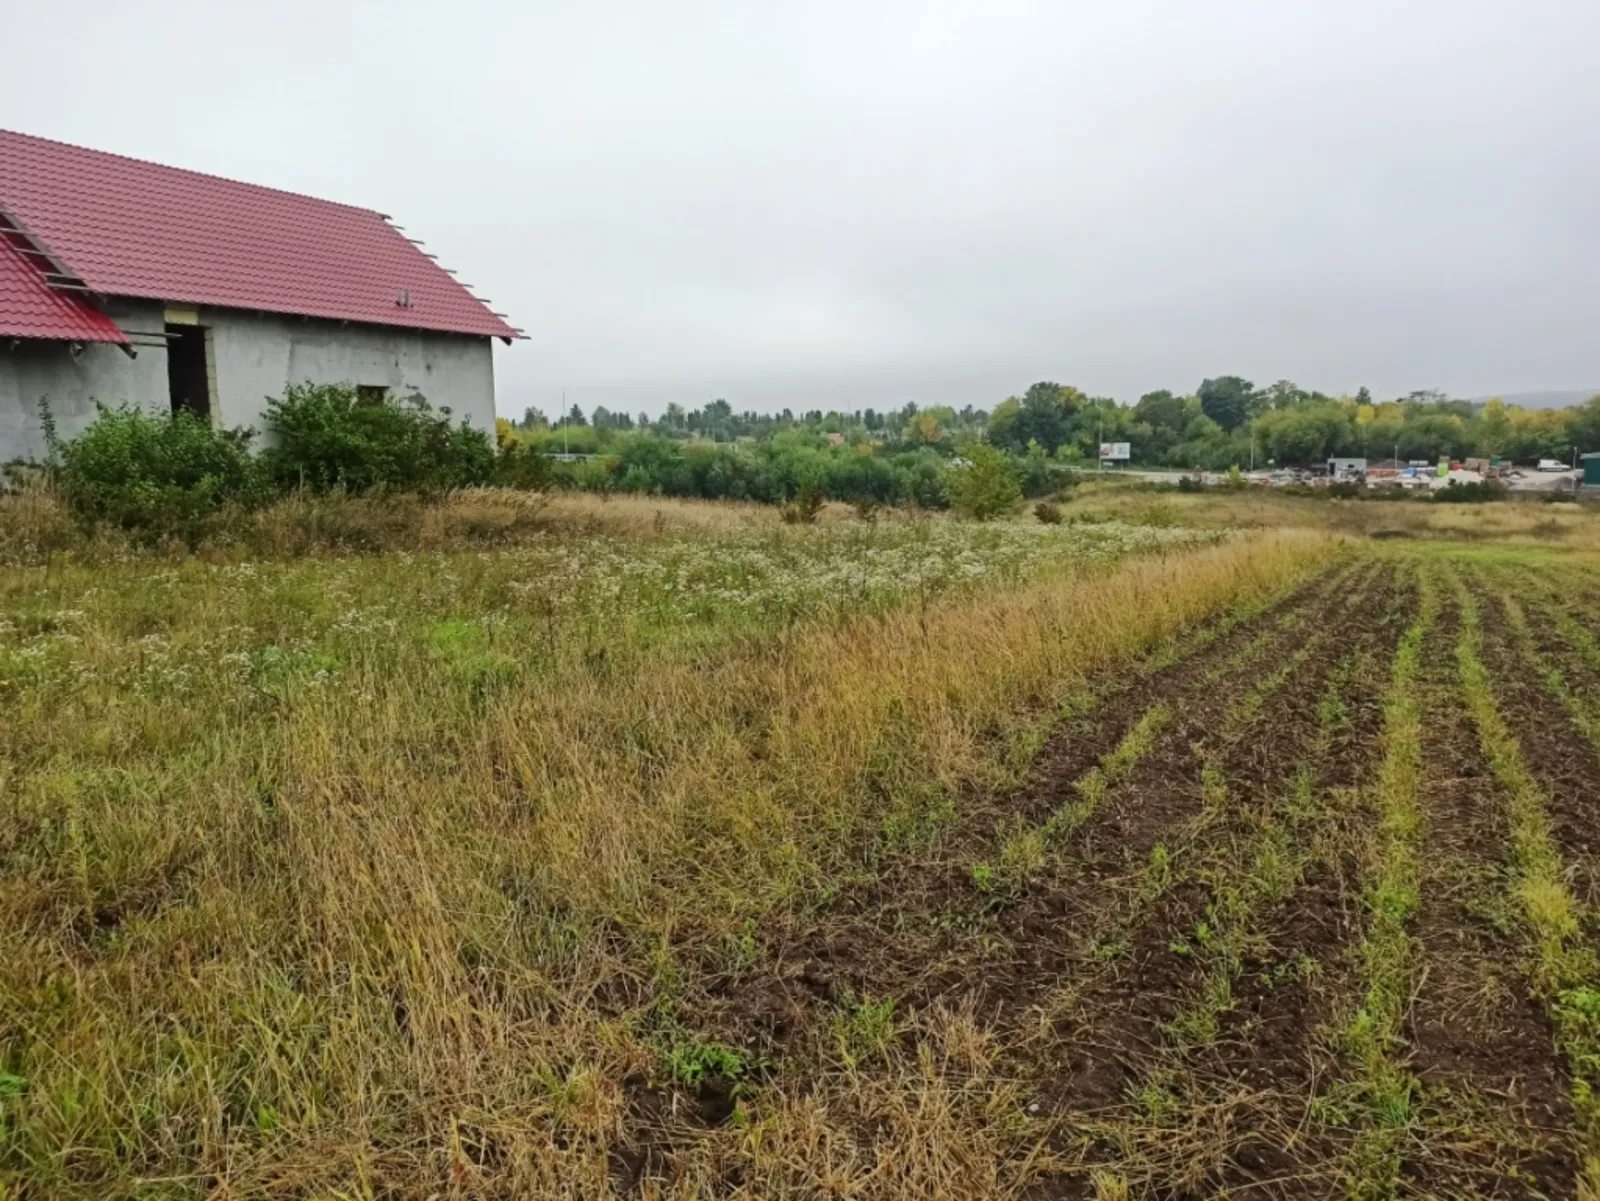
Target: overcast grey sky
{"type": "Point", "coordinates": [822, 204]}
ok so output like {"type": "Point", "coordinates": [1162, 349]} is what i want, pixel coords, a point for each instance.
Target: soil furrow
{"type": "Point", "coordinates": [1243, 1088]}
{"type": "Point", "coordinates": [922, 933]}
{"type": "Point", "coordinates": [1494, 1092]}
{"type": "Point", "coordinates": [928, 928]}
{"type": "Point", "coordinates": [1560, 758]}
{"type": "Point", "coordinates": [1115, 1022]}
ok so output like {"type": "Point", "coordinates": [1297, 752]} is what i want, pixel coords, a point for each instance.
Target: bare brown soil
{"type": "Point", "coordinates": [1481, 1042]}
{"type": "Point", "coordinates": [1078, 973]}
{"type": "Point", "coordinates": [920, 932]}
{"type": "Point", "coordinates": [1561, 759]}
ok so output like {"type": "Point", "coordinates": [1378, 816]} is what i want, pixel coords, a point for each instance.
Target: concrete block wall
{"type": "Point", "coordinates": [254, 356]}
{"type": "Point", "coordinates": [100, 372]}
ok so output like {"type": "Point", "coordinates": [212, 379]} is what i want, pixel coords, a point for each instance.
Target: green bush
{"type": "Point", "coordinates": [522, 465]}
{"type": "Point", "coordinates": [985, 486]}
{"type": "Point", "coordinates": [160, 474]}
{"type": "Point", "coordinates": [328, 438]}
{"type": "Point", "coordinates": [803, 509]}
{"type": "Point", "coordinates": [1038, 476]}
{"type": "Point", "coordinates": [1470, 494]}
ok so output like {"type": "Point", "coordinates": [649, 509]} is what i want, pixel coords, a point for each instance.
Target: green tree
{"type": "Point", "coordinates": [1583, 426]}
{"type": "Point", "coordinates": [1494, 427]}
{"type": "Point", "coordinates": [1307, 433]}
{"type": "Point", "coordinates": [1227, 400]}
{"type": "Point", "coordinates": [1284, 394]}
{"type": "Point", "coordinates": [1005, 424]}
{"type": "Point", "coordinates": [1161, 410]}
{"type": "Point", "coordinates": [1044, 414]}
{"type": "Point", "coordinates": [985, 485]}
{"type": "Point", "coordinates": [923, 430]}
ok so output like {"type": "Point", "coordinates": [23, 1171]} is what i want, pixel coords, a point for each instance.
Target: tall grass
{"type": "Point", "coordinates": [384, 878]}
{"type": "Point", "coordinates": [37, 526]}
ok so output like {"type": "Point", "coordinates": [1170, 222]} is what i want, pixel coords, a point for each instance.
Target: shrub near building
{"type": "Point", "coordinates": [162, 475]}
{"type": "Point", "coordinates": [166, 475]}
{"type": "Point", "coordinates": [325, 437]}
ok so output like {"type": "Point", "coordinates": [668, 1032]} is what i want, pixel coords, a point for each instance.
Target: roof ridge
{"type": "Point", "coordinates": [130, 227]}
{"type": "Point", "coordinates": [227, 179]}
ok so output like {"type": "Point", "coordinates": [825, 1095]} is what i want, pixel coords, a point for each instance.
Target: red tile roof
{"type": "Point", "coordinates": [132, 228]}
{"type": "Point", "coordinates": [31, 308]}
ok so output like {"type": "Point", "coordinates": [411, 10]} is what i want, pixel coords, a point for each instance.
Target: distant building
{"type": "Point", "coordinates": [1347, 469]}
{"type": "Point", "coordinates": [1591, 469]}
{"type": "Point", "coordinates": [124, 281]}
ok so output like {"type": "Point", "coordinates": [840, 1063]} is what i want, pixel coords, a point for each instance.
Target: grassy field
{"type": "Point", "coordinates": [666, 851]}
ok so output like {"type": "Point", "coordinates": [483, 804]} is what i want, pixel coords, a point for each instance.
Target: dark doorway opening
{"type": "Point", "coordinates": [188, 380]}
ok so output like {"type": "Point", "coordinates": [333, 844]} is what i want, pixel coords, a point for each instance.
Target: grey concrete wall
{"type": "Point", "coordinates": [31, 370]}
{"type": "Point", "coordinates": [256, 356]}
{"type": "Point", "coordinates": [253, 357]}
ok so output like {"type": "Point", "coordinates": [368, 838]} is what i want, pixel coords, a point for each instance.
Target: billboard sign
{"type": "Point", "coordinates": [1115, 450]}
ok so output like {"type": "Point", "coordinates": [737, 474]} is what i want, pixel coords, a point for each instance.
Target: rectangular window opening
{"type": "Point", "coordinates": [372, 394]}
{"type": "Point", "coordinates": [188, 370]}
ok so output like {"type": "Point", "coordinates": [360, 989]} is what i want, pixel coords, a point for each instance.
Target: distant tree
{"type": "Point", "coordinates": [533, 418]}
{"type": "Point", "coordinates": [1044, 414]}
{"type": "Point", "coordinates": [1494, 427]}
{"type": "Point", "coordinates": [1047, 410]}
{"type": "Point", "coordinates": [1308, 433]}
{"type": "Point", "coordinates": [1161, 409]}
{"type": "Point", "coordinates": [985, 485]}
{"type": "Point", "coordinates": [1583, 426]}
{"type": "Point", "coordinates": [1283, 394]}
{"type": "Point", "coordinates": [1363, 397]}
{"type": "Point", "coordinates": [1005, 424]}
{"type": "Point", "coordinates": [1227, 400]}
{"type": "Point", "coordinates": [923, 430]}
{"type": "Point", "coordinates": [576, 417]}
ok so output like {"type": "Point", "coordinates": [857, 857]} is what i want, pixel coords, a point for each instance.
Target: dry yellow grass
{"type": "Point", "coordinates": [1520, 521]}
{"type": "Point", "coordinates": [36, 526]}
{"type": "Point", "coordinates": [422, 933]}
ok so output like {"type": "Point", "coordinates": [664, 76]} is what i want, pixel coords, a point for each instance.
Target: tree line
{"type": "Point", "coordinates": [904, 455]}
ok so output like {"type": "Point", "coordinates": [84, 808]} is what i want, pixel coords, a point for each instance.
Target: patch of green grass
{"type": "Point", "coordinates": [865, 1031]}
{"type": "Point", "coordinates": [692, 1062]}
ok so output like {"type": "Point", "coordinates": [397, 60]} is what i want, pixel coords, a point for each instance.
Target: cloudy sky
{"type": "Point", "coordinates": [822, 204]}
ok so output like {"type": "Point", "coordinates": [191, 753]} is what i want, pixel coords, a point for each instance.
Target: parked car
{"type": "Point", "coordinates": [1552, 465]}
